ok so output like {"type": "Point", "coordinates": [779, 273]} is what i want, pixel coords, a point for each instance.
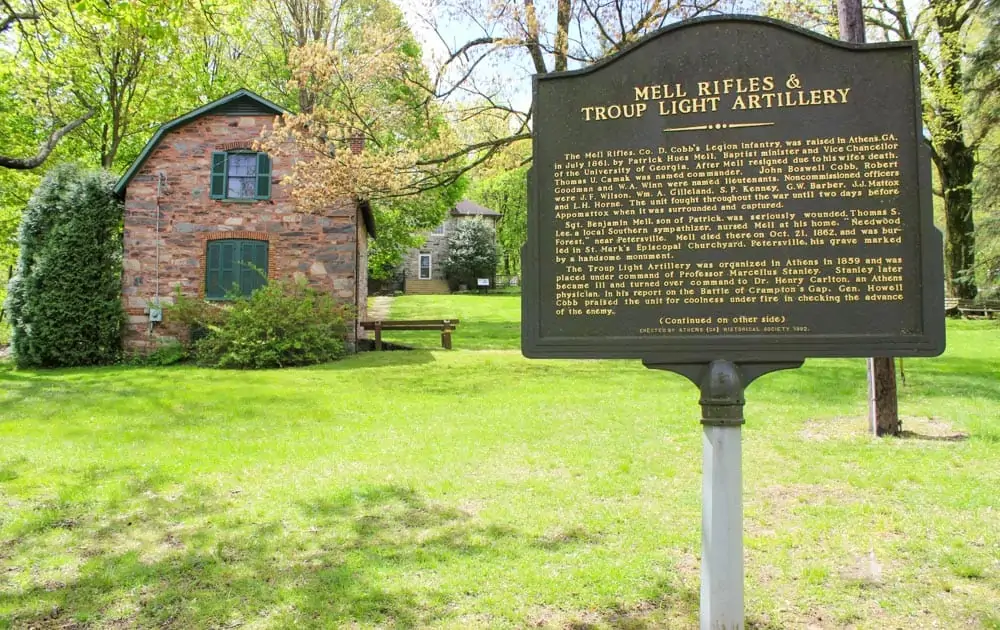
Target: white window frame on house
{"type": "Point", "coordinates": [439, 230]}
{"type": "Point", "coordinates": [255, 177]}
{"type": "Point", "coordinates": [420, 267]}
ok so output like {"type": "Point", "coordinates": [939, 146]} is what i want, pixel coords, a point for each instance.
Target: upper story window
{"type": "Point", "coordinates": [241, 175]}
{"type": "Point", "coordinates": [438, 230]}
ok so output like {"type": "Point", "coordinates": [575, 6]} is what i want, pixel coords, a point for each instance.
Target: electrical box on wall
{"type": "Point", "coordinates": [155, 314]}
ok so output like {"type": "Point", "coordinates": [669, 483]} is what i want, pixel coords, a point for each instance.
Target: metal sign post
{"type": "Point", "coordinates": [722, 386]}
{"type": "Point", "coordinates": [723, 199]}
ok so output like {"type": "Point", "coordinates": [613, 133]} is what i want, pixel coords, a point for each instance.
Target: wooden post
{"type": "Point", "coordinates": [883, 408]}
{"type": "Point", "coordinates": [378, 336]}
{"type": "Point", "coordinates": [446, 335]}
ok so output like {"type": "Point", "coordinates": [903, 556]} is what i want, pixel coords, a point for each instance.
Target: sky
{"type": "Point", "coordinates": [514, 79]}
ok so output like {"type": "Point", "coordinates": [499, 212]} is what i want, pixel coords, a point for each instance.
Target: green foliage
{"type": "Point", "coordinates": [65, 297]}
{"type": "Point", "coordinates": [507, 193]}
{"type": "Point", "coordinates": [284, 323]}
{"type": "Point", "coordinates": [401, 223]}
{"type": "Point", "coordinates": [170, 354]}
{"type": "Point", "coordinates": [472, 252]}
{"type": "Point", "coordinates": [339, 498]}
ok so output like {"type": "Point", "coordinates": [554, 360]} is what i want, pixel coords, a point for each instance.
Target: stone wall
{"type": "Point", "coordinates": [167, 251]}
{"type": "Point", "coordinates": [437, 246]}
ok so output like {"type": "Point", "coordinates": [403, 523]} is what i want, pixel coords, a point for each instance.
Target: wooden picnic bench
{"type": "Point", "coordinates": [972, 308]}
{"type": "Point", "coordinates": [444, 325]}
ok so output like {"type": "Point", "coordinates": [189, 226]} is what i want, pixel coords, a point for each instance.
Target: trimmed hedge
{"type": "Point", "coordinates": [65, 298]}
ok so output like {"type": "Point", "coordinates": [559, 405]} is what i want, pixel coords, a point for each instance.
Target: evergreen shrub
{"type": "Point", "coordinates": [64, 300]}
{"type": "Point", "coordinates": [472, 253]}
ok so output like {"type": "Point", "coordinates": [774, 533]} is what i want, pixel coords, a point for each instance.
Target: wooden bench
{"type": "Point", "coordinates": [951, 305]}
{"type": "Point", "coordinates": [972, 308]}
{"type": "Point", "coordinates": [979, 308]}
{"type": "Point", "coordinates": [444, 325]}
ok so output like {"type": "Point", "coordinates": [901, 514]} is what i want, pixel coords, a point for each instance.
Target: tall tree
{"type": "Point", "coordinates": [19, 20]}
{"type": "Point", "coordinates": [983, 87]}
{"type": "Point", "coordinates": [507, 193]}
{"type": "Point", "coordinates": [509, 40]}
{"type": "Point", "coordinates": [357, 75]}
{"type": "Point", "coordinates": [941, 27]}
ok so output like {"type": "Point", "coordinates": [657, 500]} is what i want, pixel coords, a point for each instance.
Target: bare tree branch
{"type": "Point", "coordinates": [24, 164]}
{"type": "Point", "coordinates": [13, 17]}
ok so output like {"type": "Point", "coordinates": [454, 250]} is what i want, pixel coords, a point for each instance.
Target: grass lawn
{"type": "Point", "coordinates": [482, 490]}
{"type": "Point", "coordinates": [487, 322]}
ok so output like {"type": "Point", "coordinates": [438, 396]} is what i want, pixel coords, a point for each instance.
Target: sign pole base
{"type": "Point", "coordinates": [722, 498]}
{"type": "Point", "coordinates": [722, 386]}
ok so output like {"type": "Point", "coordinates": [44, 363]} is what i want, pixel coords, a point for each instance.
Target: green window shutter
{"type": "Point", "coordinates": [218, 188]}
{"type": "Point", "coordinates": [260, 262]}
{"type": "Point", "coordinates": [263, 176]}
{"type": "Point", "coordinates": [228, 274]}
{"type": "Point", "coordinates": [231, 266]}
{"type": "Point", "coordinates": [249, 264]}
{"type": "Point", "coordinates": [213, 267]}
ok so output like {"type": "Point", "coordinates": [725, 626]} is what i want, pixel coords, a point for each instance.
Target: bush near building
{"type": "Point", "coordinates": [472, 253]}
{"type": "Point", "coordinates": [282, 324]}
{"type": "Point", "coordinates": [64, 300]}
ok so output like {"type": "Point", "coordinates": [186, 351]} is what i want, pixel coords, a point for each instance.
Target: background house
{"type": "Point", "coordinates": [205, 209]}
{"type": "Point", "coordinates": [423, 266]}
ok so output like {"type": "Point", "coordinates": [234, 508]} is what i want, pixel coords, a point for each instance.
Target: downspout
{"type": "Point", "coordinates": [156, 268]}
{"type": "Point", "coordinates": [357, 275]}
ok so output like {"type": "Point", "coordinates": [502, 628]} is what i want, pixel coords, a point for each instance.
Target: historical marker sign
{"type": "Point", "coordinates": [733, 188]}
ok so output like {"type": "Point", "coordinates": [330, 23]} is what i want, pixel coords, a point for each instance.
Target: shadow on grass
{"type": "Point", "coordinates": [369, 360]}
{"type": "Point", "coordinates": [955, 437]}
{"type": "Point", "coordinates": [942, 377]}
{"type": "Point", "coordinates": [148, 552]}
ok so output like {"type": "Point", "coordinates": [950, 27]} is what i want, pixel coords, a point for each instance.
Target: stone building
{"type": "Point", "coordinates": [207, 212]}
{"type": "Point", "coordinates": [423, 267]}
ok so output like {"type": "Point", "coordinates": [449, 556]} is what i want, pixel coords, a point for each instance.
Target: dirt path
{"type": "Point", "coordinates": [380, 307]}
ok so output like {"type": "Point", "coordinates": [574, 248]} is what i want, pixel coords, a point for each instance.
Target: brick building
{"type": "Point", "coordinates": [206, 212]}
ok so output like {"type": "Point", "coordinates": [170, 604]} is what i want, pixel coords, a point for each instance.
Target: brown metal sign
{"type": "Point", "coordinates": [733, 188]}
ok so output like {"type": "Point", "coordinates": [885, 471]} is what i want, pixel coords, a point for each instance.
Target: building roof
{"type": "Point", "coordinates": [241, 102]}
{"type": "Point", "coordinates": [468, 208]}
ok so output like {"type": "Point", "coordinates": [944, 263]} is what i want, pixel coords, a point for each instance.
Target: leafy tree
{"type": "Point", "coordinates": [507, 193]}
{"type": "Point", "coordinates": [983, 87]}
{"type": "Point", "coordinates": [65, 297]}
{"type": "Point", "coordinates": [19, 20]}
{"type": "Point", "coordinates": [356, 70]}
{"type": "Point", "coordinates": [472, 252]}
{"type": "Point", "coordinates": [402, 222]}
{"type": "Point", "coordinates": [957, 127]}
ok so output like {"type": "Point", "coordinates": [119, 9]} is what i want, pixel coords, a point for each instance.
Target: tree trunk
{"type": "Point", "coordinates": [957, 165]}
{"type": "Point", "coordinates": [956, 160]}
{"type": "Point", "coordinates": [883, 409]}
{"type": "Point", "coordinates": [563, 14]}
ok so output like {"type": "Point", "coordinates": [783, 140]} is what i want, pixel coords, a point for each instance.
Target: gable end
{"type": "Point", "coordinates": [242, 102]}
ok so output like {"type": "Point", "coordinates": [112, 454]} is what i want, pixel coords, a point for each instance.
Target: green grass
{"type": "Point", "coordinates": [482, 490]}
{"type": "Point", "coordinates": [488, 322]}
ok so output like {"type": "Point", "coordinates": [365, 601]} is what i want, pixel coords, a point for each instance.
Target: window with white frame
{"type": "Point", "coordinates": [425, 267]}
{"type": "Point", "coordinates": [439, 230]}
